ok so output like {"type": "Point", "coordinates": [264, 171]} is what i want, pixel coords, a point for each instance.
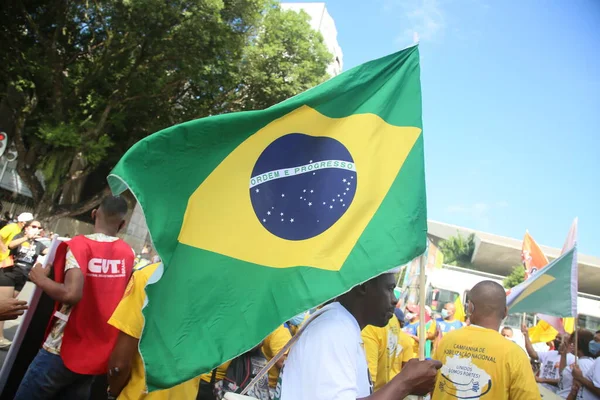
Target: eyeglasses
{"type": "Point", "coordinates": [36, 226]}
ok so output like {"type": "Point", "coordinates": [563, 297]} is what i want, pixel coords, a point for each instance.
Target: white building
{"type": "Point", "coordinates": [321, 21]}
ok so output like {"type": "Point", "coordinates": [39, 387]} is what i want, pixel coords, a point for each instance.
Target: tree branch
{"type": "Point", "coordinates": [68, 210]}
{"type": "Point", "coordinates": [28, 175]}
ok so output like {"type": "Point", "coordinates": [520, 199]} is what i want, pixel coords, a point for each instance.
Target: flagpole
{"type": "Point", "coordinates": [421, 333]}
{"type": "Point", "coordinates": [576, 334]}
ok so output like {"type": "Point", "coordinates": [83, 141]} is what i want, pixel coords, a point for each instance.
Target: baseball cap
{"type": "Point", "coordinates": [25, 217]}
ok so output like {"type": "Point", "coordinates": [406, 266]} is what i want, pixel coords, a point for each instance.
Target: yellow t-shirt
{"type": "Point", "coordinates": [480, 363]}
{"type": "Point", "coordinates": [219, 376]}
{"type": "Point", "coordinates": [128, 318]}
{"type": "Point", "coordinates": [386, 349]}
{"type": "Point", "coordinates": [6, 235]}
{"type": "Point", "coordinates": [273, 345]}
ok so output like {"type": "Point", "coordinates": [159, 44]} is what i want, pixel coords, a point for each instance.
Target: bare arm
{"type": "Point", "coordinates": [418, 378]}
{"type": "Point", "coordinates": [120, 363]}
{"type": "Point", "coordinates": [69, 292]}
{"type": "Point", "coordinates": [17, 242]}
{"type": "Point", "coordinates": [528, 346]}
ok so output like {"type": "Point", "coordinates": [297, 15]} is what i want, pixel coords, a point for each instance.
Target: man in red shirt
{"type": "Point", "coordinates": [91, 273]}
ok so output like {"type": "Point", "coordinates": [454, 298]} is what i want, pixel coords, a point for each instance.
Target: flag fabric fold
{"type": "Point", "coordinates": [532, 256]}
{"type": "Point", "coordinates": [261, 215]}
{"type": "Point", "coordinates": [542, 332]}
{"type": "Point", "coordinates": [552, 290]}
{"type": "Point", "coordinates": [459, 314]}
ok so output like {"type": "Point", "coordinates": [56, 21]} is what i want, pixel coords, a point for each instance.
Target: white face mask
{"type": "Point", "coordinates": [33, 231]}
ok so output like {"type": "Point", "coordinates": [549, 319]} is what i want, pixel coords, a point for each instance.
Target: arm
{"type": "Point", "coordinates": [553, 382]}
{"type": "Point", "coordinates": [120, 363]}
{"type": "Point", "coordinates": [69, 292]}
{"type": "Point", "coordinates": [528, 346]}
{"type": "Point", "coordinates": [574, 390]}
{"type": "Point", "coordinates": [588, 384]}
{"type": "Point", "coordinates": [417, 378]}
{"type": "Point", "coordinates": [17, 242]}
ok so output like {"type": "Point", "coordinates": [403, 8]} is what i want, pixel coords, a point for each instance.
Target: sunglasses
{"type": "Point", "coordinates": [35, 226]}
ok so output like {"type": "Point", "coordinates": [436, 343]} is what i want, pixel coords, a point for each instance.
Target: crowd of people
{"type": "Point", "coordinates": [358, 346]}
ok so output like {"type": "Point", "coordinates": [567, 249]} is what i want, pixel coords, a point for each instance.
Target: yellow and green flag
{"type": "Point", "coordinates": [551, 291]}
{"type": "Point", "coordinates": [261, 215]}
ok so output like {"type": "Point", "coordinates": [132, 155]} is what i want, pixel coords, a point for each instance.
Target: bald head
{"type": "Point", "coordinates": [489, 303]}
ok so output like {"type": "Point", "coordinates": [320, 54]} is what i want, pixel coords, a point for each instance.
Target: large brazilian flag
{"type": "Point", "coordinates": [260, 215]}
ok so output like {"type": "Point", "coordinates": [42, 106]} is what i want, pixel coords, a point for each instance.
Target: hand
{"type": "Point", "coordinates": [564, 347]}
{"type": "Point", "coordinates": [11, 308]}
{"type": "Point", "coordinates": [38, 273]}
{"type": "Point", "coordinates": [540, 380]}
{"type": "Point", "coordinates": [524, 330]}
{"type": "Point", "coordinates": [419, 376]}
{"type": "Point", "coordinates": [576, 372]}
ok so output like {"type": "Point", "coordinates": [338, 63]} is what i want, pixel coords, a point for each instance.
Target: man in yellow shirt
{"type": "Point", "coordinates": [478, 363]}
{"type": "Point", "coordinates": [10, 231]}
{"type": "Point", "coordinates": [387, 349]}
{"type": "Point", "coordinates": [273, 345]}
{"type": "Point", "coordinates": [126, 375]}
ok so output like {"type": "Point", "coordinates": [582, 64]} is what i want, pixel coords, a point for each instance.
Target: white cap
{"type": "Point", "coordinates": [25, 217]}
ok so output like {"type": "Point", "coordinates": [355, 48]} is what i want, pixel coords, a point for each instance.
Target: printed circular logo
{"type": "Point", "coordinates": [301, 185]}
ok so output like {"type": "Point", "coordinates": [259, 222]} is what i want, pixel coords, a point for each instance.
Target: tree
{"type": "Point", "coordinates": [516, 277]}
{"type": "Point", "coordinates": [458, 250]}
{"type": "Point", "coordinates": [83, 81]}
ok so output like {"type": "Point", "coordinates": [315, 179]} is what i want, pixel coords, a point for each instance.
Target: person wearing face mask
{"type": "Point", "coordinates": [478, 363]}
{"type": "Point", "coordinates": [590, 379]}
{"type": "Point", "coordinates": [90, 276]}
{"type": "Point", "coordinates": [549, 374]}
{"type": "Point", "coordinates": [24, 250]}
{"type": "Point", "coordinates": [412, 329]}
{"type": "Point", "coordinates": [449, 323]}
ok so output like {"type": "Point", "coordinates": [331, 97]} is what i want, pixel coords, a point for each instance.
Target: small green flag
{"type": "Point", "coordinates": [552, 290]}
{"type": "Point", "coordinates": [260, 215]}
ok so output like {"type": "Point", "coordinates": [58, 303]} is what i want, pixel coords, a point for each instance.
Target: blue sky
{"type": "Point", "coordinates": [511, 107]}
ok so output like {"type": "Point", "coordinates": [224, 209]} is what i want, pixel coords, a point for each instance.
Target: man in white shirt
{"type": "Point", "coordinates": [549, 374]}
{"type": "Point", "coordinates": [328, 362]}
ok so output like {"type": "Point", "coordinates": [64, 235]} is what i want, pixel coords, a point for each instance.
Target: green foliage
{"type": "Point", "coordinates": [93, 78]}
{"type": "Point", "coordinates": [458, 250]}
{"type": "Point", "coordinates": [516, 277]}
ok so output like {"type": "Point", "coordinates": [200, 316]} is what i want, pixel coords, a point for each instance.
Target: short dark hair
{"type": "Point", "coordinates": [507, 328]}
{"type": "Point", "coordinates": [114, 206]}
{"type": "Point", "coordinates": [489, 298]}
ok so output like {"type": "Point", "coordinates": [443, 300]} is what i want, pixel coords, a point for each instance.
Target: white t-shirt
{"type": "Point", "coordinates": [593, 374]}
{"type": "Point", "coordinates": [328, 362]}
{"type": "Point", "coordinates": [549, 367]}
{"type": "Point", "coordinates": [566, 380]}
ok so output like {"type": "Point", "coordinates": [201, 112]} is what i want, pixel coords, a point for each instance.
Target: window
{"type": "Point", "coordinates": [436, 298]}
{"type": "Point", "coordinates": [588, 322]}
